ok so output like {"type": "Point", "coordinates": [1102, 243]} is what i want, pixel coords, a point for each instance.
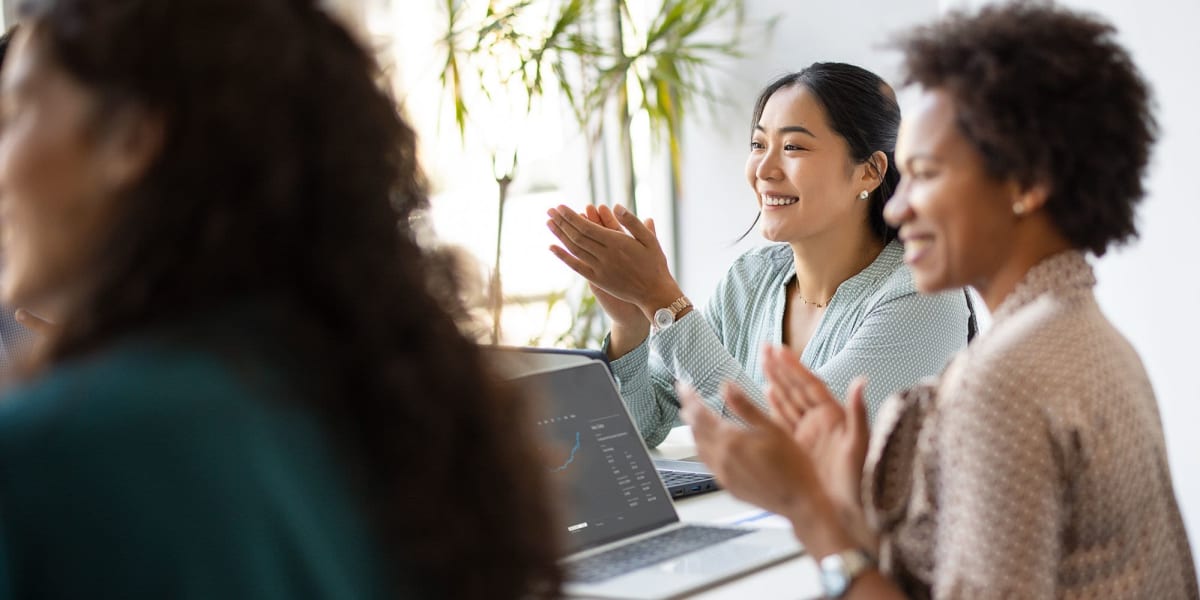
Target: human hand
{"type": "Point", "coordinates": [835, 436]}
{"type": "Point", "coordinates": [759, 463]}
{"type": "Point", "coordinates": [620, 311]}
{"type": "Point", "coordinates": [34, 322]}
{"type": "Point", "coordinates": [628, 266]}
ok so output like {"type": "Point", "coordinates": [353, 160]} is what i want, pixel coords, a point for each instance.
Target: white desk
{"type": "Point", "coordinates": [793, 579]}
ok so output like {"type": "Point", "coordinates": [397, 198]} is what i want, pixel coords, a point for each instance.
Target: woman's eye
{"type": "Point", "coordinates": [793, 148]}
{"type": "Point", "coordinates": [755, 145]}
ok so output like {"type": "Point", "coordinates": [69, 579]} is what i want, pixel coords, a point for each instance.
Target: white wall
{"type": "Point", "coordinates": [1150, 289]}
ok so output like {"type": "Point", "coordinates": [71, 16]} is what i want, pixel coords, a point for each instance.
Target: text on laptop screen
{"type": "Point", "coordinates": [595, 455]}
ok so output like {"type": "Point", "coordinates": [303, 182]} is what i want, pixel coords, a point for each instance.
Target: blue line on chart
{"type": "Point", "coordinates": [571, 458]}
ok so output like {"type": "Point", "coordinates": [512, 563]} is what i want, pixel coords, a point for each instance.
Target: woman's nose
{"type": "Point", "coordinates": [768, 167]}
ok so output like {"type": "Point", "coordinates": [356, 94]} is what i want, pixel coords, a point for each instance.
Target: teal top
{"type": "Point", "coordinates": [876, 325]}
{"type": "Point", "coordinates": [157, 469]}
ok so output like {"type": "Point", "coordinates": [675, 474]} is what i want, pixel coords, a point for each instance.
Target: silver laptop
{"type": "Point", "coordinates": [683, 478]}
{"type": "Point", "coordinates": [623, 536]}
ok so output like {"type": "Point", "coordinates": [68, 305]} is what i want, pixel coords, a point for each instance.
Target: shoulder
{"type": "Point", "coordinates": [894, 286]}
{"type": "Point", "coordinates": [753, 273]}
{"type": "Point", "coordinates": [771, 258]}
{"type": "Point", "coordinates": [1060, 357]}
{"type": "Point", "coordinates": [127, 399]}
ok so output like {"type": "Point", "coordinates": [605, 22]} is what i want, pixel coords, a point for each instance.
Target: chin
{"type": "Point", "coordinates": [931, 283]}
{"type": "Point", "coordinates": [770, 234]}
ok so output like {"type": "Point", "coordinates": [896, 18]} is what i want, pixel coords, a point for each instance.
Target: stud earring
{"type": "Point", "coordinates": [1018, 209]}
{"type": "Point", "coordinates": [863, 195]}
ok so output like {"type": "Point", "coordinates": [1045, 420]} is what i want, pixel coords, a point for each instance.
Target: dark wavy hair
{"type": "Point", "coordinates": [861, 108]}
{"type": "Point", "coordinates": [1047, 96]}
{"type": "Point", "coordinates": [287, 173]}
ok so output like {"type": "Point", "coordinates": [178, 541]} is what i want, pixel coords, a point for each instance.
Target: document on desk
{"type": "Point", "coordinates": [758, 519]}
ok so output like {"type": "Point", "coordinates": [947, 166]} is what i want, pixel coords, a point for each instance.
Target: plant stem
{"type": "Point", "coordinates": [497, 291]}
{"type": "Point", "coordinates": [623, 117]}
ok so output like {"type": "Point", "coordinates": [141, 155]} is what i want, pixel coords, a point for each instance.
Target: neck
{"type": "Point", "coordinates": [824, 262]}
{"type": "Point", "coordinates": [1036, 241]}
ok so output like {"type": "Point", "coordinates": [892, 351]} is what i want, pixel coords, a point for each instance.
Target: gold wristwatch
{"type": "Point", "coordinates": [665, 317]}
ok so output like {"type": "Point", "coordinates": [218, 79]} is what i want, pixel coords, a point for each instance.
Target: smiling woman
{"type": "Point", "coordinates": [833, 288]}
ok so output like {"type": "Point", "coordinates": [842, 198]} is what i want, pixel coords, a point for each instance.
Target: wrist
{"type": "Point", "coordinates": [661, 298]}
{"type": "Point", "coordinates": [624, 337]}
{"type": "Point", "coordinates": [820, 529]}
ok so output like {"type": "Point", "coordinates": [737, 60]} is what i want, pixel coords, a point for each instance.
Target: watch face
{"type": "Point", "coordinates": [834, 582]}
{"type": "Point", "coordinates": [663, 317]}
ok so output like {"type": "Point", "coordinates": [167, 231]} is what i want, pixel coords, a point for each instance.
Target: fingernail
{"type": "Point", "coordinates": [619, 209]}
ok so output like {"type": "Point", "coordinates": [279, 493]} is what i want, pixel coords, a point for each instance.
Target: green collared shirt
{"type": "Point", "coordinates": [875, 325]}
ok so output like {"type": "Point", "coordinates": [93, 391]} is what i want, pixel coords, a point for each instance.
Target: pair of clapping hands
{"type": "Point", "coordinates": [803, 460]}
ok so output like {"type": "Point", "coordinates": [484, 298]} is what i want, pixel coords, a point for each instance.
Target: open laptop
{"type": "Point", "coordinates": [623, 536]}
{"type": "Point", "coordinates": [682, 478]}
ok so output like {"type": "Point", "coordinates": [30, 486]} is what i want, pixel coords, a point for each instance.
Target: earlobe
{"type": "Point", "coordinates": [1026, 199]}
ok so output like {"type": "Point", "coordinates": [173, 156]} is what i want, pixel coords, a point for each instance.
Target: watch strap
{"type": "Point", "coordinates": [673, 309]}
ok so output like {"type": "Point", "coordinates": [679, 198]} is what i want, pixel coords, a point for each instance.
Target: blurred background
{"type": "Point", "coordinates": [526, 104]}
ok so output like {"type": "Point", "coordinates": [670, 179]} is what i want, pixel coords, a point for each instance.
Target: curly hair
{"type": "Point", "coordinates": [286, 173]}
{"type": "Point", "coordinates": [1048, 97]}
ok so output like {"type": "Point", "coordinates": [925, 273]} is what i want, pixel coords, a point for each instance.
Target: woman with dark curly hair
{"type": "Point", "coordinates": [1035, 466]}
{"type": "Point", "coordinates": [253, 391]}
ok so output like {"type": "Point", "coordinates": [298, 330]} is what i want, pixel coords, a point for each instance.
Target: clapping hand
{"type": "Point", "coordinates": [803, 461]}
{"type": "Point", "coordinates": [621, 256]}
{"type": "Point", "coordinates": [760, 462]}
{"type": "Point", "coordinates": [835, 436]}
{"type": "Point", "coordinates": [617, 309]}
{"type": "Point", "coordinates": [34, 322]}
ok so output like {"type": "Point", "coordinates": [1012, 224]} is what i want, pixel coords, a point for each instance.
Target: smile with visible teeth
{"type": "Point", "coordinates": [779, 200]}
{"type": "Point", "coordinates": [913, 247]}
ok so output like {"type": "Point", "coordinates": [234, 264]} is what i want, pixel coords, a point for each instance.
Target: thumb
{"type": "Point", "coordinates": [650, 226]}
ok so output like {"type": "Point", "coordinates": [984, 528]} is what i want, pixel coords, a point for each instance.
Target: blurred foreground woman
{"type": "Point", "coordinates": [253, 392]}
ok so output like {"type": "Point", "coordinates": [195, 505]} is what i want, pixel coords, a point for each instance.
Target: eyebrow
{"type": "Point", "coordinates": [790, 129]}
{"type": "Point", "coordinates": [925, 156]}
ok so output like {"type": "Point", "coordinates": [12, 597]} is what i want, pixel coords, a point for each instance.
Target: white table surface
{"type": "Point", "coordinates": [793, 579]}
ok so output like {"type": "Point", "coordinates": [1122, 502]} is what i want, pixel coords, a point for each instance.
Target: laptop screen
{"type": "Point", "coordinates": [596, 457]}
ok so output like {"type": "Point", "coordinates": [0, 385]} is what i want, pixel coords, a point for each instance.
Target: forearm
{"type": "Point", "coordinates": [647, 392]}
{"type": "Point", "coordinates": [625, 337]}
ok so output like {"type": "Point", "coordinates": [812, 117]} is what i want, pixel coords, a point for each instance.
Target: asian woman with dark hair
{"type": "Point", "coordinates": [832, 287]}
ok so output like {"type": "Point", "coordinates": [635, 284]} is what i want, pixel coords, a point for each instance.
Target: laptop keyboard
{"type": "Point", "coordinates": [671, 478]}
{"type": "Point", "coordinates": [653, 550]}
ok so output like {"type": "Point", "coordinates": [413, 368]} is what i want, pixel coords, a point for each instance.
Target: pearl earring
{"type": "Point", "coordinates": [863, 195]}
{"type": "Point", "coordinates": [1018, 209]}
